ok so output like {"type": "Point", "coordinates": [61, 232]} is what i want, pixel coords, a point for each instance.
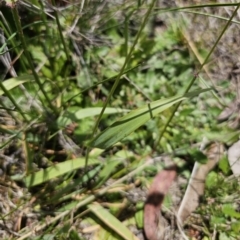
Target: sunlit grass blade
{"type": "Point", "coordinates": [14, 82]}
{"type": "Point", "coordinates": [55, 171]}
{"type": "Point", "coordinates": [8, 85]}
{"type": "Point", "coordinates": [111, 221]}
{"type": "Point", "coordinates": [136, 118]}
{"type": "Point", "coordinates": [74, 115]}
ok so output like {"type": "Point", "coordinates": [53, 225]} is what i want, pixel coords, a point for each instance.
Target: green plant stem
{"type": "Point", "coordinates": [8, 31]}
{"type": "Point", "coordinates": [29, 59]}
{"type": "Point", "coordinates": [60, 31]}
{"type": "Point", "coordinates": [196, 75]}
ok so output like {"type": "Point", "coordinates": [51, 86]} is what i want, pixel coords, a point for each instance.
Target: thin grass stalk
{"type": "Point", "coordinates": [126, 32]}
{"type": "Point", "coordinates": [8, 31]}
{"type": "Point", "coordinates": [196, 75]}
{"type": "Point", "coordinates": [9, 64]}
{"type": "Point", "coordinates": [43, 15]}
{"type": "Point", "coordinates": [27, 153]}
{"type": "Point", "coordinates": [60, 31]}
{"type": "Point", "coordinates": [29, 59]}
{"type": "Point", "coordinates": [210, 15]}
{"type": "Point", "coordinates": [10, 37]}
{"type": "Point", "coordinates": [196, 6]}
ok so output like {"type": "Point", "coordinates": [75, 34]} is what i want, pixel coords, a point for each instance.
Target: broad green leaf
{"type": "Point", "coordinates": [73, 114]}
{"type": "Point", "coordinates": [111, 221]}
{"type": "Point", "coordinates": [14, 82]}
{"type": "Point", "coordinates": [56, 170]}
{"type": "Point", "coordinates": [136, 118]}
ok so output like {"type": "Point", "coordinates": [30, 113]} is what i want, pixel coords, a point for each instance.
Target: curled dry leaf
{"type": "Point", "coordinates": [234, 158]}
{"type": "Point", "coordinates": [227, 112]}
{"type": "Point", "coordinates": [154, 223]}
{"type": "Point", "coordinates": [196, 184]}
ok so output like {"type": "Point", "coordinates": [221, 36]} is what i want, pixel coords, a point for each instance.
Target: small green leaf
{"type": "Point", "coordinates": [217, 220]}
{"type": "Point", "coordinates": [136, 118]}
{"type": "Point", "coordinates": [211, 180]}
{"type": "Point", "coordinates": [198, 155]}
{"type": "Point", "coordinates": [229, 210]}
{"type": "Point", "coordinates": [167, 201]}
{"type": "Point", "coordinates": [139, 218]}
{"type": "Point", "coordinates": [14, 82]}
{"type": "Point", "coordinates": [224, 165]}
{"type": "Point", "coordinates": [74, 235]}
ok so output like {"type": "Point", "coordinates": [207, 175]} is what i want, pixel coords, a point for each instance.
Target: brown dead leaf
{"type": "Point", "coordinates": [154, 223]}
{"type": "Point", "coordinates": [227, 112]}
{"type": "Point", "coordinates": [230, 114]}
{"type": "Point", "coordinates": [196, 184]}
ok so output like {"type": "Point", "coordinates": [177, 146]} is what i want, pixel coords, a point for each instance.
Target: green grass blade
{"type": "Point", "coordinates": [201, 6]}
{"type": "Point", "coordinates": [136, 118]}
{"type": "Point", "coordinates": [211, 15]}
{"type": "Point", "coordinates": [111, 221]}
{"type": "Point", "coordinates": [14, 82]}
{"type": "Point", "coordinates": [55, 171]}
{"type": "Point", "coordinates": [72, 115]}
{"type": "Point", "coordinates": [3, 90]}
{"type": "Point", "coordinates": [108, 169]}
